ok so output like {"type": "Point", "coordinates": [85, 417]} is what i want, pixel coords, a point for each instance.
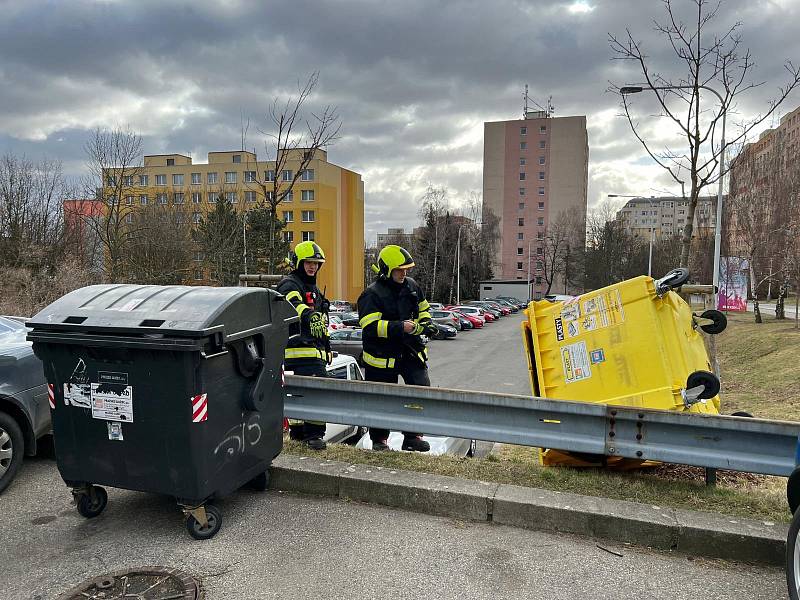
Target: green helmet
{"type": "Point", "coordinates": [305, 251]}
{"type": "Point", "coordinates": [390, 258]}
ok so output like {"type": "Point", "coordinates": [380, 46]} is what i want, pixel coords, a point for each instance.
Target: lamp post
{"type": "Point", "coordinates": [652, 229]}
{"type": "Point", "coordinates": [529, 271]}
{"type": "Point", "coordinates": [635, 89]}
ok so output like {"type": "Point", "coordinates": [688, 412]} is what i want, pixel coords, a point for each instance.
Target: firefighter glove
{"type": "Point", "coordinates": [316, 323]}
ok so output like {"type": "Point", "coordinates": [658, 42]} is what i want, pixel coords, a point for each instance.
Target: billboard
{"type": "Point", "coordinates": [733, 273]}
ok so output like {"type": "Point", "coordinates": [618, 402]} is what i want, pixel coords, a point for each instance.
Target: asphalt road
{"type": "Point", "coordinates": [275, 545]}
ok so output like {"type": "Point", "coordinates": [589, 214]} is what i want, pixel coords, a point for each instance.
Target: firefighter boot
{"type": "Point", "coordinates": [415, 444]}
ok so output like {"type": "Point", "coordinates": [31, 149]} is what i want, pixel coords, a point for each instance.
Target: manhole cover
{"type": "Point", "coordinates": [143, 583]}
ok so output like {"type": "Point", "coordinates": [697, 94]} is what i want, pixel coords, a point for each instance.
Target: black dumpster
{"type": "Point", "coordinates": [173, 390]}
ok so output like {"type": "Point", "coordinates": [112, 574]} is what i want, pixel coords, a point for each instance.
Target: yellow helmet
{"type": "Point", "coordinates": [390, 258]}
{"type": "Point", "coordinates": [305, 251]}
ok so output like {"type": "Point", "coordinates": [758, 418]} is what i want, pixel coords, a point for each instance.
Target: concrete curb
{"type": "Point", "coordinates": [695, 533]}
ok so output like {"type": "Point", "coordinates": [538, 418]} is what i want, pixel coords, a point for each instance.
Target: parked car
{"type": "Point", "coordinates": [334, 322]}
{"type": "Point", "coordinates": [347, 341]}
{"type": "Point", "coordinates": [504, 310]}
{"type": "Point", "coordinates": [558, 297]}
{"type": "Point", "coordinates": [473, 309]}
{"type": "Point", "coordinates": [513, 307]}
{"type": "Point", "coordinates": [445, 317]}
{"type": "Point", "coordinates": [350, 319]}
{"type": "Point", "coordinates": [475, 319]}
{"type": "Point", "coordinates": [496, 314]}
{"type": "Point", "coordinates": [436, 305]}
{"type": "Point", "coordinates": [24, 409]}
{"type": "Point", "coordinates": [341, 306]}
{"type": "Point", "coordinates": [445, 332]}
{"type": "Point", "coordinates": [520, 303]}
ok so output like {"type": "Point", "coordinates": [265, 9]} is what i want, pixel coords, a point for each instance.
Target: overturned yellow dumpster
{"type": "Point", "coordinates": [635, 343]}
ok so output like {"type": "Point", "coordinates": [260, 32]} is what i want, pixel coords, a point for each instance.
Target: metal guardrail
{"type": "Point", "coordinates": [714, 441]}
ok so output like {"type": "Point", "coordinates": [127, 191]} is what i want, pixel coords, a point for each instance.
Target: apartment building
{"type": "Point", "coordinates": [666, 216]}
{"type": "Point", "coordinates": [395, 235]}
{"type": "Point", "coordinates": [326, 204]}
{"type": "Point", "coordinates": [533, 169]}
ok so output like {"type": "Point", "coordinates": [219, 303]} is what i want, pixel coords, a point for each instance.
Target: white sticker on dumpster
{"type": "Point", "coordinates": [575, 360]}
{"type": "Point", "coordinates": [112, 402]}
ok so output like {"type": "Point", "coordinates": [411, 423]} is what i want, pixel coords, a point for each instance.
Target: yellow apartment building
{"type": "Point", "coordinates": [326, 204]}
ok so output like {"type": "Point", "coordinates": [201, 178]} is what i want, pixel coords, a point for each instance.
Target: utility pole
{"type": "Point", "coordinates": [458, 267]}
{"type": "Point", "coordinates": [244, 239]}
{"type": "Point", "coordinates": [529, 271]}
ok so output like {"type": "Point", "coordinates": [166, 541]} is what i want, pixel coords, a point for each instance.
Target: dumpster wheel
{"type": "Point", "coordinates": [194, 521]}
{"type": "Point", "coordinates": [708, 380]}
{"type": "Point", "coordinates": [718, 321]}
{"type": "Point", "coordinates": [91, 501]}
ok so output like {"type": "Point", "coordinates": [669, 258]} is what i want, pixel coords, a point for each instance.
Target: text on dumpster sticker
{"type": "Point", "coordinates": [598, 312]}
{"type": "Point", "coordinates": [112, 402]}
{"type": "Point", "coordinates": [575, 360]}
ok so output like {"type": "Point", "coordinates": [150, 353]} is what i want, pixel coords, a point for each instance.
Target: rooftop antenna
{"type": "Point", "coordinates": [549, 110]}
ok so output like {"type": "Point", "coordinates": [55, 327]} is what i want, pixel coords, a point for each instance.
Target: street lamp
{"type": "Point", "coordinates": [652, 229]}
{"type": "Point", "coordinates": [635, 89]}
{"type": "Point", "coordinates": [529, 271]}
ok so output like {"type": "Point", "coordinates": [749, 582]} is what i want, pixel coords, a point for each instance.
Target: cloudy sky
{"type": "Point", "coordinates": [413, 81]}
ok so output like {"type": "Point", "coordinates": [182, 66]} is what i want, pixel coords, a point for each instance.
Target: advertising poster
{"type": "Point", "coordinates": [733, 273]}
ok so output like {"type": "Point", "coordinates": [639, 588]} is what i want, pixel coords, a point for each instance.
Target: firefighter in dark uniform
{"type": "Point", "coordinates": [308, 350]}
{"type": "Point", "coordinates": [393, 314]}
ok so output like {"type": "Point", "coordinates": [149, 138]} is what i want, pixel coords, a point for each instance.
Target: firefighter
{"type": "Point", "coordinates": [393, 314]}
{"type": "Point", "coordinates": [308, 350]}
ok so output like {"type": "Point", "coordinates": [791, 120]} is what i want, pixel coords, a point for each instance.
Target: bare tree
{"type": "Point", "coordinates": [292, 139]}
{"type": "Point", "coordinates": [161, 251]}
{"type": "Point", "coordinates": [114, 163]}
{"type": "Point", "coordinates": [709, 61]}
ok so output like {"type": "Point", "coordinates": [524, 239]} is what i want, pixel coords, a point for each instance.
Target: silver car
{"type": "Point", "coordinates": [24, 408]}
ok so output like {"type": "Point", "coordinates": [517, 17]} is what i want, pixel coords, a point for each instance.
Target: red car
{"type": "Point", "coordinates": [473, 311]}
{"type": "Point", "coordinates": [477, 323]}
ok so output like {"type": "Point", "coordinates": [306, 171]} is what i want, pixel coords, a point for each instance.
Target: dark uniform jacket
{"type": "Point", "coordinates": [305, 297]}
{"type": "Point", "coordinates": [382, 308]}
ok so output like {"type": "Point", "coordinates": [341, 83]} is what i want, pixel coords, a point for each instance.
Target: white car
{"type": "Point", "coordinates": [346, 367]}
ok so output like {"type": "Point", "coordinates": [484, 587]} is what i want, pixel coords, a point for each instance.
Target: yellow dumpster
{"type": "Point", "coordinates": [635, 343]}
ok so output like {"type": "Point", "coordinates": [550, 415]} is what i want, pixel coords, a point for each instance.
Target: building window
{"type": "Point", "coordinates": [230, 197]}
{"type": "Point", "coordinates": [195, 217]}
{"type": "Point", "coordinates": [249, 196]}
{"type": "Point", "coordinates": [230, 176]}
{"type": "Point", "coordinates": [287, 175]}
{"type": "Point", "coordinates": [307, 195]}
{"type": "Point", "coordinates": [177, 198]}
{"type": "Point", "coordinates": [540, 235]}
{"type": "Point", "coordinates": [541, 175]}
{"type": "Point", "coordinates": [538, 281]}
{"type": "Point", "coordinates": [523, 145]}
{"type": "Point", "coordinates": [198, 274]}
{"type": "Point", "coordinates": [542, 144]}
{"type": "Point", "coordinates": [177, 179]}
{"type": "Point", "coordinates": [288, 216]}
{"type": "Point", "coordinates": [161, 198]}
{"type": "Point", "coordinates": [539, 250]}
{"type": "Point", "coordinates": [541, 205]}
{"type": "Point", "coordinates": [542, 128]}
{"type": "Point", "coordinates": [197, 197]}
{"type": "Point", "coordinates": [212, 178]}
{"type": "Point", "coordinates": [198, 255]}
{"type": "Point", "coordinates": [127, 180]}
{"type": "Point", "coordinates": [521, 205]}
{"type": "Point", "coordinates": [111, 181]}
{"type": "Point", "coordinates": [521, 191]}
{"type": "Point", "coordinates": [195, 178]}
{"type": "Point", "coordinates": [237, 158]}
{"type": "Point", "coordinates": [520, 236]}
{"type": "Point", "coordinates": [541, 160]}
{"type": "Point", "coordinates": [170, 162]}
{"type": "Point", "coordinates": [143, 199]}
{"type": "Point", "coordinates": [540, 221]}
{"type": "Point", "coordinates": [129, 218]}
{"type": "Point", "coordinates": [249, 176]}
{"type": "Point", "coordinates": [522, 176]}
{"type": "Point", "coordinates": [522, 162]}
{"type": "Point", "coordinates": [213, 197]}
{"type": "Point", "coordinates": [523, 131]}
{"type": "Point", "coordinates": [129, 200]}
{"type": "Point", "coordinates": [269, 175]}
{"type": "Point", "coordinates": [308, 236]}
{"type": "Point", "coordinates": [539, 265]}
{"type": "Point", "coordinates": [541, 191]}
{"type": "Point", "coordinates": [288, 236]}
{"type": "Point", "coordinates": [521, 222]}
{"type": "Point", "coordinates": [308, 216]}
{"type": "Point", "coordinates": [142, 179]}
{"type": "Point", "coordinates": [270, 196]}
{"type": "Point", "coordinates": [112, 200]}
{"type": "Point", "coordinates": [289, 196]}
{"type": "Point", "coordinates": [308, 175]}
{"type": "Point", "coordinates": [520, 251]}
{"type": "Point", "coordinates": [161, 180]}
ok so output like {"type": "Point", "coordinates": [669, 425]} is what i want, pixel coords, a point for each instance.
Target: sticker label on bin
{"type": "Point", "coordinates": [598, 312]}
{"type": "Point", "coordinates": [575, 360]}
{"type": "Point", "coordinates": [77, 394]}
{"type": "Point", "coordinates": [112, 402]}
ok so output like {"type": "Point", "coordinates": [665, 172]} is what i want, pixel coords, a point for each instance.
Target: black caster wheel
{"type": "Point", "coordinates": [708, 380]}
{"type": "Point", "coordinates": [473, 447]}
{"type": "Point", "coordinates": [260, 482]}
{"type": "Point", "coordinates": [197, 531]}
{"type": "Point", "coordinates": [94, 502]}
{"type": "Point", "coordinates": [742, 413]}
{"type": "Point", "coordinates": [720, 322]}
{"type": "Point", "coordinates": [672, 280]}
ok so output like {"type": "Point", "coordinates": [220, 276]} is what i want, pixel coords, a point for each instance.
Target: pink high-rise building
{"type": "Point", "coordinates": [533, 170]}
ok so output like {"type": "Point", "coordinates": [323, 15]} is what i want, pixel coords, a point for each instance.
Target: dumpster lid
{"type": "Point", "coordinates": [192, 311]}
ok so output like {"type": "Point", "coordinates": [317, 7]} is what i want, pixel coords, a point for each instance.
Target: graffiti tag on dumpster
{"type": "Point", "coordinates": [575, 360]}
{"type": "Point", "coordinates": [240, 437]}
{"type": "Point", "coordinates": [112, 402]}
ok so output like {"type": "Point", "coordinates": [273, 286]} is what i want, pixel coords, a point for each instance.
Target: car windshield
{"type": "Point", "coordinates": [340, 334]}
{"type": "Point", "coordinates": [10, 326]}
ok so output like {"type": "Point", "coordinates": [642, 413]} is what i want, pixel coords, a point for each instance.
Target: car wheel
{"type": "Point", "coordinates": [12, 449]}
{"type": "Point", "coordinates": [793, 558]}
